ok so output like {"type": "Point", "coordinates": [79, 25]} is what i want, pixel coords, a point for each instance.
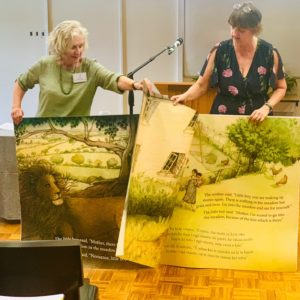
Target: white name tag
{"type": "Point", "coordinates": [79, 77]}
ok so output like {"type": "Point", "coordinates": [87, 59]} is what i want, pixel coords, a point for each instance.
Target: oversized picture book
{"type": "Point", "coordinates": [212, 191]}
{"type": "Point", "coordinates": [73, 177]}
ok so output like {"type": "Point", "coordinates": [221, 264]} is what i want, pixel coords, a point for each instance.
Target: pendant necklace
{"type": "Point", "coordinates": [61, 83]}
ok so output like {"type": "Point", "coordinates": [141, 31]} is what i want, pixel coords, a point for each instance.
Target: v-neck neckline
{"type": "Point", "coordinates": [252, 62]}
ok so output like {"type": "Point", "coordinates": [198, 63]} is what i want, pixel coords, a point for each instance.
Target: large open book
{"type": "Point", "coordinates": [212, 191]}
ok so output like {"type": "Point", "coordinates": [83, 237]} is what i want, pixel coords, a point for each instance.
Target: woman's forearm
{"type": "Point", "coordinates": [18, 94]}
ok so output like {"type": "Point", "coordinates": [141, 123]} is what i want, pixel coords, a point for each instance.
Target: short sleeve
{"type": "Point", "coordinates": [280, 71]}
{"type": "Point", "coordinates": [106, 79]}
{"type": "Point", "coordinates": [28, 79]}
{"type": "Point", "coordinates": [214, 77]}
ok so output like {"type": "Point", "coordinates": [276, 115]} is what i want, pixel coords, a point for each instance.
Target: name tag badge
{"type": "Point", "coordinates": [79, 77]}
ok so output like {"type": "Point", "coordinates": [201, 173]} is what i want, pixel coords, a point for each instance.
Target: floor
{"type": "Point", "coordinates": [168, 282]}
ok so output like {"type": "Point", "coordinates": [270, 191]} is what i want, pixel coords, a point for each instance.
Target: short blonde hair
{"type": "Point", "coordinates": [60, 38]}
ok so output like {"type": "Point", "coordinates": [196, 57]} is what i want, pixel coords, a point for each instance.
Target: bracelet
{"type": "Point", "coordinates": [133, 85]}
{"type": "Point", "coordinates": [268, 105]}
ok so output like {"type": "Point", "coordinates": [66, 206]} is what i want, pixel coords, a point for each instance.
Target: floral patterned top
{"type": "Point", "coordinates": [238, 95]}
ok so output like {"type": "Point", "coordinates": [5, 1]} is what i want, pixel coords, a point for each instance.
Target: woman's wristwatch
{"type": "Point", "coordinates": [269, 105]}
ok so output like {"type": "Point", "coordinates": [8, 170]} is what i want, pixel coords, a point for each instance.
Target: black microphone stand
{"type": "Point", "coordinates": [130, 75]}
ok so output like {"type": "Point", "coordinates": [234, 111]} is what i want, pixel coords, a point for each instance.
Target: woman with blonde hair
{"type": "Point", "coordinates": [67, 80]}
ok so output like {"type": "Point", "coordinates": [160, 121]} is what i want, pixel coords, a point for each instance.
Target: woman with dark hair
{"type": "Point", "coordinates": [244, 69]}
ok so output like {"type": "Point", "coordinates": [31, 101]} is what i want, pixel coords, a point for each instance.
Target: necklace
{"type": "Point", "coordinates": [61, 84]}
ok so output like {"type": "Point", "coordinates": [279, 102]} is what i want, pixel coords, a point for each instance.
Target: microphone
{"type": "Point", "coordinates": [178, 42]}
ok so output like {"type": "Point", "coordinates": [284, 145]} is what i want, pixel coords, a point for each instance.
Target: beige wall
{"type": "Point", "coordinates": [126, 33]}
{"type": "Point", "coordinates": [206, 24]}
{"type": "Point", "coordinates": [148, 26]}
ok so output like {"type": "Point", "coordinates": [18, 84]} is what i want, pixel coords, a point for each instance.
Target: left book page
{"type": "Point", "coordinates": [73, 175]}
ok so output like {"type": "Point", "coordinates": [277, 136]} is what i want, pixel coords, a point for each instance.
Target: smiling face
{"type": "Point", "coordinates": [74, 52]}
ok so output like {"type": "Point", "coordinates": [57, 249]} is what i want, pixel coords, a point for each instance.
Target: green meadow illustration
{"type": "Point", "coordinates": [73, 175]}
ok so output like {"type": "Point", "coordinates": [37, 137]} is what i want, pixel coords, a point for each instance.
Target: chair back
{"type": "Point", "coordinates": [40, 268]}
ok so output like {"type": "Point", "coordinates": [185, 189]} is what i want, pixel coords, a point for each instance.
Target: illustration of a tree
{"type": "Point", "coordinates": [112, 163]}
{"type": "Point", "coordinates": [77, 159]}
{"type": "Point", "coordinates": [119, 132]}
{"type": "Point", "coordinates": [266, 142]}
{"type": "Point", "coordinates": [57, 159]}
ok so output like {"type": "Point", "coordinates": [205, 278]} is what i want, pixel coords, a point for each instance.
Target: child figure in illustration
{"type": "Point", "coordinates": [191, 190]}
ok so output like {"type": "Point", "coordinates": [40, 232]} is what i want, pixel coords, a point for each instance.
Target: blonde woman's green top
{"type": "Point", "coordinates": [67, 93]}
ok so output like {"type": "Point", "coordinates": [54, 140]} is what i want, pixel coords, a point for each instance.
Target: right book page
{"type": "Point", "coordinates": [212, 191]}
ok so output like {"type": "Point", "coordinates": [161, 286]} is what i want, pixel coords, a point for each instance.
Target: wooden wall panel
{"type": "Point", "coordinates": [202, 104]}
